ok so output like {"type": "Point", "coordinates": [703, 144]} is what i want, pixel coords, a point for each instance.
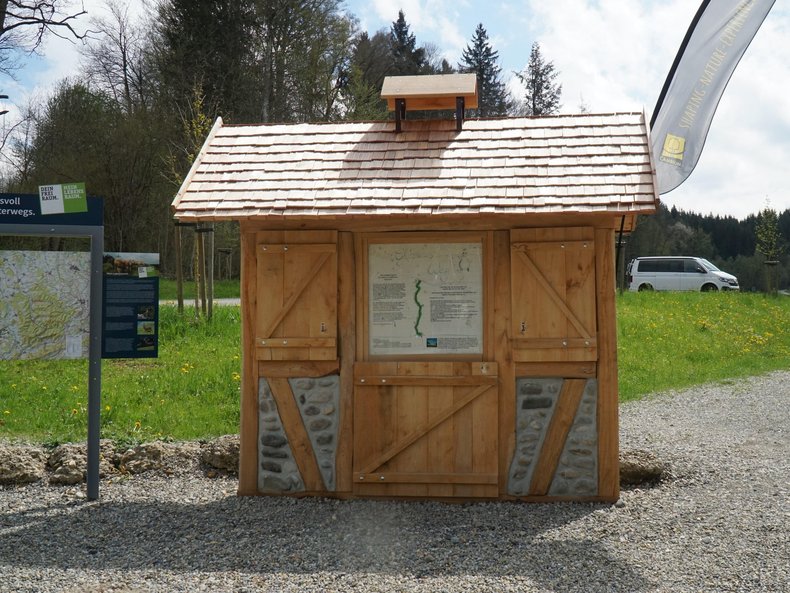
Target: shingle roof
{"type": "Point", "coordinates": [513, 166]}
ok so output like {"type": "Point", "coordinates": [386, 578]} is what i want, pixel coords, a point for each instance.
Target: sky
{"type": "Point", "coordinates": [611, 55]}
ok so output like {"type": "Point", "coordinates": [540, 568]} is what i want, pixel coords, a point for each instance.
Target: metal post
{"type": "Point", "coordinates": [94, 363]}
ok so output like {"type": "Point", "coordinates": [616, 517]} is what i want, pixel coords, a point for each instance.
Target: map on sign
{"type": "Point", "coordinates": [425, 298]}
{"type": "Point", "coordinates": [44, 304]}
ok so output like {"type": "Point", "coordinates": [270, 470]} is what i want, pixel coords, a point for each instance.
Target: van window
{"type": "Point", "coordinates": [691, 266]}
{"type": "Point", "coordinates": [661, 265]}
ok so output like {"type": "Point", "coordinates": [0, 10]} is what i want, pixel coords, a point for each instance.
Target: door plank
{"type": "Point", "coordinates": [420, 431]}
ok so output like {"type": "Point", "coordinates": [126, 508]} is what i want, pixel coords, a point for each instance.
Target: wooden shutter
{"type": "Point", "coordinates": [553, 294]}
{"type": "Point", "coordinates": [296, 307]}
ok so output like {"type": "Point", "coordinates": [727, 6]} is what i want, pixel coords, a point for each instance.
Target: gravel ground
{"type": "Point", "coordinates": [719, 524]}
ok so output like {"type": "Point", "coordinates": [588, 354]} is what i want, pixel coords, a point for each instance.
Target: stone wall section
{"type": "Point", "coordinates": [577, 472]}
{"type": "Point", "coordinates": [277, 469]}
{"type": "Point", "coordinates": [319, 403]}
{"type": "Point", "coordinates": [535, 402]}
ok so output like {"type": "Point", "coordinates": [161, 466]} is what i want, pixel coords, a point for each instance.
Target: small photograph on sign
{"type": "Point", "coordinates": [146, 344]}
{"type": "Point", "coordinates": [138, 265]}
{"type": "Point", "coordinates": [432, 342]}
{"type": "Point", "coordinates": [146, 312]}
{"type": "Point", "coordinates": [146, 328]}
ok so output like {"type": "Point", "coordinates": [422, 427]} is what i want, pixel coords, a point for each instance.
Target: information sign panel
{"type": "Point", "coordinates": [130, 318]}
{"type": "Point", "coordinates": [425, 298]}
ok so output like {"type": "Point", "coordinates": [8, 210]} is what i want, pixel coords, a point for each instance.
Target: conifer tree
{"type": "Point", "coordinates": [542, 96]}
{"type": "Point", "coordinates": [480, 58]}
{"type": "Point", "coordinates": [407, 58]}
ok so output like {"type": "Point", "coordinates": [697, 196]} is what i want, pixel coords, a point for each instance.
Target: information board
{"type": "Point", "coordinates": [130, 319]}
{"type": "Point", "coordinates": [425, 298]}
{"type": "Point", "coordinates": [44, 304]}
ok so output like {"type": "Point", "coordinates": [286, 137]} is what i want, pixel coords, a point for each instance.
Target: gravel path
{"type": "Point", "coordinates": [720, 524]}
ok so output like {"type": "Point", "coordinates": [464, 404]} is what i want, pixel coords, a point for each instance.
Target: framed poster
{"type": "Point", "coordinates": [425, 298]}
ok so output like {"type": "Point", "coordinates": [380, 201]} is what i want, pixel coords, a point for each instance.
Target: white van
{"type": "Point", "coordinates": [677, 273]}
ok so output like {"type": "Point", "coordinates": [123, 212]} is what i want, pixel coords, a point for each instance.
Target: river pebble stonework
{"type": "Point", "coordinates": [536, 400]}
{"type": "Point", "coordinates": [318, 401]}
{"type": "Point", "coordinates": [277, 469]}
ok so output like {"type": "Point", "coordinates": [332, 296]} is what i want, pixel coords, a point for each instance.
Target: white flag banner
{"type": "Point", "coordinates": [714, 44]}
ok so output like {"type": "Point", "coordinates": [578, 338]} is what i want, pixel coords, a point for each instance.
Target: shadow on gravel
{"type": "Point", "coordinates": [281, 535]}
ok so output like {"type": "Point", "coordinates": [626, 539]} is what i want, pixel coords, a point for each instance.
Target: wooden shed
{"type": "Point", "coordinates": [429, 313]}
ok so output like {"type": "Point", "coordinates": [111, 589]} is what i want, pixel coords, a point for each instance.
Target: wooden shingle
{"type": "Point", "coordinates": [513, 166]}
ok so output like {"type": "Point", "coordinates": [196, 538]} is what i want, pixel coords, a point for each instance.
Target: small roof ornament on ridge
{"type": "Point", "coordinates": [430, 92]}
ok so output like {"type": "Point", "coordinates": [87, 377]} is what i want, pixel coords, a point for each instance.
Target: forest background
{"type": "Point", "coordinates": [132, 122]}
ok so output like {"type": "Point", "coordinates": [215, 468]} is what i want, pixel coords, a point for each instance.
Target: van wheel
{"type": "Point", "coordinates": [709, 288]}
{"type": "Point", "coordinates": [643, 287]}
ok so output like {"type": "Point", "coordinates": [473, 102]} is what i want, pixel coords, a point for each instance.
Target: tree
{"type": "Point", "coordinates": [370, 61]}
{"type": "Point", "coordinates": [769, 239]}
{"type": "Point", "coordinates": [207, 45]}
{"type": "Point", "coordinates": [25, 23]}
{"type": "Point", "coordinates": [320, 61]}
{"type": "Point", "coordinates": [407, 58]}
{"type": "Point", "coordinates": [116, 61]}
{"type": "Point", "coordinates": [480, 58]}
{"type": "Point", "coordinates": [769, 243]}
{"type": "Point", "coordinates": [542, 96]}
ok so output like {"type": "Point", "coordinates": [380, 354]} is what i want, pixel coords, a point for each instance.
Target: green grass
{"type": "Point", "coordinates": [672, 340]}
{"type": "Point", "coordinates": [666, 341]}
{"type": "Point", "coordinates": [223, 289]}
{"type": "Point", "coordinates": [190, 391]}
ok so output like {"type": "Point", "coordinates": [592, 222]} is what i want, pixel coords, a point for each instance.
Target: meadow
{"type": "Point", "coordinates": [191, 391]}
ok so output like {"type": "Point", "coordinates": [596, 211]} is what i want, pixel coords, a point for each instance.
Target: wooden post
{"type": "Point", "coordinates": [201, 264]}
{"type": "Point", "coordinates": [608, 426]}
{"type": "Point", "coordinates": [347, 333]}
{"type": "Point", "coordinates": [210, 273]}
{"type": "Point", "coordinates": [179, 271]}
{"type": "Point", "coordinates": [248, 427]}
{"type": "Point", "coordinates": [503, 355]}
{"type": "Point", "coordinates": [196, 272]}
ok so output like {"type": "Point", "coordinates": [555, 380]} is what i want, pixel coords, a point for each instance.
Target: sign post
{"type": "Point", "coordinates": [21, 214]}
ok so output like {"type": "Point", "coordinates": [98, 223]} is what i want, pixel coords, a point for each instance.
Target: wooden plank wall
{"type": "Point", "coordinates": [414, 404]}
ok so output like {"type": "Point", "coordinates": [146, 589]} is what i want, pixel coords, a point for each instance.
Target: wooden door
{"type": "Point", "coordinates": [553, 294]}
{"type": "Point", "coordinates": [425, 429]}
{"type": "Point", "coordinates": [296, 307]}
